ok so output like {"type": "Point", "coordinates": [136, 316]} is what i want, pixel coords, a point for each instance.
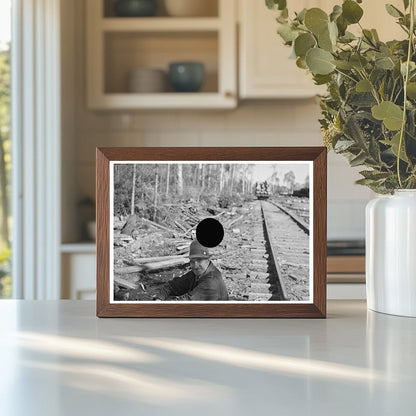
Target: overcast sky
{"type": "Point", "coordinates": [263, 171]}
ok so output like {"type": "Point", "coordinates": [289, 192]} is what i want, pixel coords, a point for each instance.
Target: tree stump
{"type": "Point", "coordinates": [131, 225]}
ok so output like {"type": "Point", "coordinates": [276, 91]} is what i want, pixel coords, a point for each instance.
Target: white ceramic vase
{"type": "Point", "coordinates": [391, 253]}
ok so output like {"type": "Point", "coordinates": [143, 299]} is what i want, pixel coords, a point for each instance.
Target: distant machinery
{"type": "Point", "coordinates": [262, 190]}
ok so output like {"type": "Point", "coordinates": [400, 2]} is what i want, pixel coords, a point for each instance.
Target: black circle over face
{"type": "Point", "coordinates": [209, 232]}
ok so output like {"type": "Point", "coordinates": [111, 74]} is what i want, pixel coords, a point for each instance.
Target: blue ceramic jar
{"type": "Point", "coordinates": [135, 8]}
{"type": "Point", "coordinates": [186, 76]}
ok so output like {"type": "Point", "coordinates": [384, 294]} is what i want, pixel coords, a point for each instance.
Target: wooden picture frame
{"type": "Point", "coordinates": [312, 305]}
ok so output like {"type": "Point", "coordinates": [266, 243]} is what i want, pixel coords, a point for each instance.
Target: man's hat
{"type": "Point", "coordinates": [198, 251]}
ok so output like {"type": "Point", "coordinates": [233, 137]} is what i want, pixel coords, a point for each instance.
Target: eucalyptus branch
{"type": "Point", "coordinates": [373, 88]}
{"type": "Point", "coordinates": [392, 91]}
{"type": "Point", "coordinates": [346, 75]}
{"type": "Point", "coordinates": [406, 79]}
{"type": "Point", "coordinates": [397, 95]}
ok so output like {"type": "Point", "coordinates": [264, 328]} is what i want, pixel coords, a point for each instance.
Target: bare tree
{"type": "Point", "coordinates": [289, 179]}
{"type": "Point", "coordinates": [179, 180]}
{"type": "Point", "coordinates": [133, 189]}
{"type": "Point", "coordinates": [167, 180]}
{"type": "Point", "coordinates": [222, 177]}
{"type": "Point", "coordinates": [155, 194]}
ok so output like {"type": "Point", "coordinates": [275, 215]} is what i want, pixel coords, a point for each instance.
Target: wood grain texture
{"type": "Point", "coordinates": [103, 231]}
{"type": "Point", "coordinates": [317, 309]}
{"type": "Point", "coordinates": [319, 229]}
{"type": "Point", "coordinates": [346, 264]}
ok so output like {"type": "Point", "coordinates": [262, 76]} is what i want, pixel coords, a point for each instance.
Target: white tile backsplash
{"type": "Point", "coordinates": [346, 219]}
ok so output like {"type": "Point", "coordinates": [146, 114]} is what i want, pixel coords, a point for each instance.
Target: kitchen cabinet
{"type": "Point", "coordinates": [78, 263]}
{"type": "Point", "coordinates": [118, 45]}
{"type": "Point", "coordinates": [265, 70]}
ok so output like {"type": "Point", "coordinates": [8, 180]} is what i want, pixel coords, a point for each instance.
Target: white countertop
{"type": "Point", "coordinates": [57, 358]}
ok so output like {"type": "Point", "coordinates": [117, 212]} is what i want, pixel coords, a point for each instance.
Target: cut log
{"type": "Point", "coordinates": [234, 221]}
{"type": "Point", "coordinates": [180, 226]}
{"type": "Point", "coordinates": [160, 265]}
{"type": "Point", "coordinates": [122, 237]}
{"type": "Point", "coordinates": [167, 264]}
{"type": "Point", "coordinates": [128, 269]}
{"type": "Point", "coordinates": [144, 260]}
{"type": "Point", "coordinates": [159, 226]}
{"type": "Point", "coordinates": [124, 283]}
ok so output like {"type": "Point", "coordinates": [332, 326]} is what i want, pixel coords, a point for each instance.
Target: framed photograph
{"type": "Point", "coordinates": [211, 232]}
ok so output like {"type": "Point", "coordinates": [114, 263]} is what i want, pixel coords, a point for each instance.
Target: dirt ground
{"type": "Point", "coordinates": [231, 257]}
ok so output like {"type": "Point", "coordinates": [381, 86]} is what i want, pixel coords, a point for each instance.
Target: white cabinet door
{"type": "Point", "coordinates": [265, 69]}
{"type": "Point", "coordinates": [264, 66]}
{"type": "Point", "coordinates": [78, 276]}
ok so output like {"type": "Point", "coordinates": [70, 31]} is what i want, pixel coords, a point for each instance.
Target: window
{"type": "Point", "coordinates": [5, 147]}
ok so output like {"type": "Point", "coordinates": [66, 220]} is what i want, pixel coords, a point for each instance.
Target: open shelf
{"type": "Point", "coordinates": [127, 51]}
{"type": "Point", "coordinates": [116, 46]}
{"type": "Point", "coordinates": [210, 9]}
{"type": "Point", "coordinates": [160, 24]}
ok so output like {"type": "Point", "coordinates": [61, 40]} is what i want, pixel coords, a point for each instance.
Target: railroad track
{"type": "Point", "coordinates": [279, 255]}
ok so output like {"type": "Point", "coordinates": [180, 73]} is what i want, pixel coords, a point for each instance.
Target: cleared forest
{"type": "Point", "coordinates": [157, 208]}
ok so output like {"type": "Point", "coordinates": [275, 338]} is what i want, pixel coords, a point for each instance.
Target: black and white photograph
{"type": "Point", "coordinates": [211, 231]}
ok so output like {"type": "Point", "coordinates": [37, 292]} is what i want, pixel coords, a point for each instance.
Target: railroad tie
{"type": "Point", "coordinates": [259, 296]}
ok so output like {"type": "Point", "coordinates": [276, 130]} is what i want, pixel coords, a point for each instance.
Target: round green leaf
{"type": "Point", "coordinates": [342, 25]}
{"type": "Point", "coordinates": [358, 61]}
{"type": "Point", "coordinates": [287, 33]}
{"type": "Point", "coordinates": [363, 86]}
{"type": "Point", "coordinates": [319, 61]}
{"type": "Point", "coordinates": [276, 4]}
{"type": "Point", "coordinates": [411, 90]}
{"type": "Point", "coordinates": [391, 114]}
{"type": "Point", "coordinates": [384, 62]}
{"type": "Point", "coordinates": [316, 20]}
{"type": "Point", "coordinates": [333, 32]}
{"type": "Point", "coordinates": [344, 65]}
{"type": "Point", "coordinates": [325, 42]}
{"type": "Point", "coordinates": [322, 79]}
{"type": "Point", "coordinates": [351, 11]}
{"type": "Point", "coordinates": [303, 43]}
{"type": "Point", "coordinates": [301, 63]}
{"type": "Point", "coordinates": [393, 11]}
{"type": "Point", "coordinates": [336, 12]}
{"type": "Point", "coordinates": [301, 15]}
{"type": "Point", "coordinates": [394, 143]}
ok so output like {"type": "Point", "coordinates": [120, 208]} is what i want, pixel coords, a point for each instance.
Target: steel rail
{"type": "Point", "coordinates": [279, 282]}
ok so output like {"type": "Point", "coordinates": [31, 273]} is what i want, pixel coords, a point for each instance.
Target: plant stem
{"type": "Point", "coordinates": [373, 88]}
{"type": "Point", "coordinates": [346, 75]}
{"type": "Point", "coordinates": [406, 79]}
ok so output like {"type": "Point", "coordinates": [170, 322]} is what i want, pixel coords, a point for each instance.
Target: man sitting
{"type": "Point", "coordinates": [203, 282]}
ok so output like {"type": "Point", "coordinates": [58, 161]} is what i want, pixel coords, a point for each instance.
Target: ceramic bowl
{"type": "Point", "coordinates": [186, 76]}
{"type": "Point", "coordinates": [147, 80]}
{"type": "Point", "coordinates": [135, 8]}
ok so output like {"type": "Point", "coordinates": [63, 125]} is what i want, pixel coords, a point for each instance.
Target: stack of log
{"type": "Point", "coordinates": [153, 264]}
